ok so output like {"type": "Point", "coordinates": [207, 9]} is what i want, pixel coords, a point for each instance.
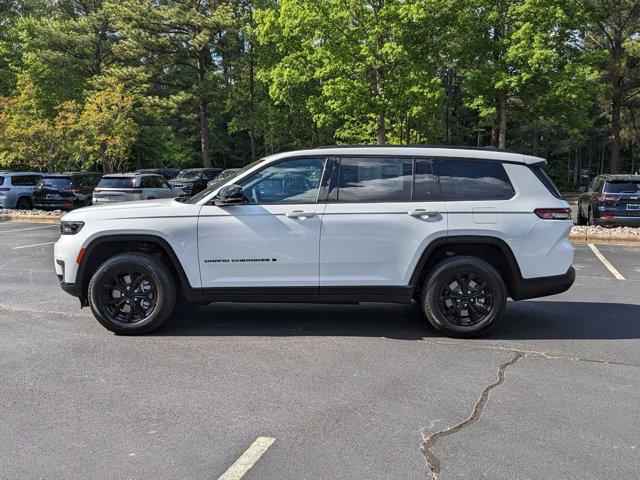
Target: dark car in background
{"type": "Point", "coordinates": [167, 172]}
{"type": "Point", "coordinates": [611, 200]}
{"type": "Point", "coordinates": [65, 191]}
{"type": "Point", "coordinates": [194, 180]}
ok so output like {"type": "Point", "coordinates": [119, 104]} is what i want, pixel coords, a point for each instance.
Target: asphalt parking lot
{"type": "Point", "coordinates": [333, 391]}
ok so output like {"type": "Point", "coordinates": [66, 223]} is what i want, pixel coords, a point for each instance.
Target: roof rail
{"type": "Point", "coordinates": [419, 145]}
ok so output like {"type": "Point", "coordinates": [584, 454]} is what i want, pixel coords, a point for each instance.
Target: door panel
{"type": "Point", "coordinates": [382, 214]}
{"type": "Point", "coordinates": [376, 243]}
{"type": "Point", "coordinates": [259, 245]}
{"type": "Point", "coordinates": [274, 239]}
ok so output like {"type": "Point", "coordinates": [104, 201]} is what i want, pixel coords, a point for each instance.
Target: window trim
{"type": "Point", "coordinates": [326, 159]}
{"type": "Point", "coordinates": [334, 185]}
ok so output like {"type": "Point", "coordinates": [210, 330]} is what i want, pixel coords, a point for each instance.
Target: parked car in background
{"type": "Point", "coordinates": [194, 180]}
{"type": "Point", "coordinates": [16, 189]}
{"type": "Point", "coordinates": [167, 172]}
{"type": "Point", "coordinates": [225, 174]}
{"type": "Point", "coordinates": [124, 187]}
{"type": "Point", "coordinates": [612, 200]}
{"type": "Point", "coordinates": [65, 191]}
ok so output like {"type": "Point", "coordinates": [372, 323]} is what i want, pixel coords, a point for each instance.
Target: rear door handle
{"type": "Point", "coordinates": [299, 214]}
{"type": "Point", "coordinates": [421, 212]}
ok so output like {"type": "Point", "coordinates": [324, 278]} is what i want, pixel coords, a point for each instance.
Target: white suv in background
{"type": "Point", "coordinates": [458, 230]}
{"type": "Point", "coordinates": [126, 187]}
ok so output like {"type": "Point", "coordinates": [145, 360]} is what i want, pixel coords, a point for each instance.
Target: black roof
{"type": "Point", "coordinates": [69, 174]}
{"type": "Point", "coordinates": [618, 176]}
{"type": "Point", "coordinates": [420, 145]}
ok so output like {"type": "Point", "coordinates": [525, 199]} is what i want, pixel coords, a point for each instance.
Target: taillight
{"type": "Point", "coordinates": [133, 191]}
{"type": "Point", "coordinates": [608, 198]}
{"type": "Point", "coordinates": [5, 189]}
{"type": "Point", "coordinates": [96, 190]}
{"type": "Point", "coordinates": [553, 213]}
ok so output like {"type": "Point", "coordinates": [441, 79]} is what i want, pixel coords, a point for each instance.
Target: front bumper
{"type": "Point", "coordinates": [543, 286]}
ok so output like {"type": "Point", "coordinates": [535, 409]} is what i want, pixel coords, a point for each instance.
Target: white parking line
{"type": "Point", "coordinates": [606, 262]}
{"type": "Point", "coordinates": [247, 459]}
{"type": "Point", "coordinates": [31, 228]}
{"type": "Point", "coordinates": [34, 245]}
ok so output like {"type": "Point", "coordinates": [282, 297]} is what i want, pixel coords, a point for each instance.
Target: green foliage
{"type": "Point", "coordinates": [114, 84]}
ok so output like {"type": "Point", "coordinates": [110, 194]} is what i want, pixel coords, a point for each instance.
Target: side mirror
{"type": "Point", "coordinates": [229, 195]}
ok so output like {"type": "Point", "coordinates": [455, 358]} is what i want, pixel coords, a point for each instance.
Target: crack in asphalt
{"type": "Point", "coordinates": [429, 441]}
{"type": "Point", "coordinates": [529, 353]}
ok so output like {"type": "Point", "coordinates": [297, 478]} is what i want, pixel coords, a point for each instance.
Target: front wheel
{"type": "Point", "coordinates": [464, 297]}
{"type": "Point", "coordinates": [132, 293]}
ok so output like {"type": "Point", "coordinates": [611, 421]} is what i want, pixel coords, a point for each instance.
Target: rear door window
{"type": "Point", "coordinates": [147, 182]}
{"type": "Point", "coordinates": [464, 180]}
{"type": "Point", "coordinates": [425, 188]}
{"type": "Point", "coordinates": [24, 180]}
{"type": "Point", "coordinates": [56, 182]}
{"type": "Point", "coordinates": [622, 187]}
{"type": "Point", "coordinates": [117, 182]}
{"type": "Point", "coordinates": [369, 180]}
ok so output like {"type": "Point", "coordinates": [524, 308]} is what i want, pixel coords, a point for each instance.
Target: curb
{"type": "Point", "coordinates": [613, 239]}
{"type": "Point", "coordinates": [53, 219]}
{"type": "Point", "coordinates": [573, 237]}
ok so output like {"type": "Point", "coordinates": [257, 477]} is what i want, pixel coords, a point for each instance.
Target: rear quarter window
{"type": "Point", "coordinates": [463, 180]}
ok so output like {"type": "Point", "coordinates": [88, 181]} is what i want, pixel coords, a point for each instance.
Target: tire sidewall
{"type": "Point", "coordinates": [161, 276]}
{"type": "Point", "coordinates": [433, 286]}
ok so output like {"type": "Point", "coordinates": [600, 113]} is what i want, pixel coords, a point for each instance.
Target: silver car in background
{"type": "Point", "coordinates": [124, 187]}
{"type": "Point", "coordinates": [16, 189]}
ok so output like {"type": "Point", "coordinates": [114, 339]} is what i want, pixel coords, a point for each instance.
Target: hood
{"type": "Point", "coordinates": [164, 207]}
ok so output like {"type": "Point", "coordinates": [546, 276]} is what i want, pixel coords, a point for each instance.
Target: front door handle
{"type": "Point", "coordinates": [299, 214]}
{"type": "Point", "coordinates": [421, 212]}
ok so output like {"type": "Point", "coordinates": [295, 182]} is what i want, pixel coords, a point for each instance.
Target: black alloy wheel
{"type": "Point", "coordinates": [463, 296]}
{"type": "Point", "coordinates": [466, 299]}
{"type": "Point", "coordinates": [132, 293]}
{"type": "Point", "coordinates": [129, 296]}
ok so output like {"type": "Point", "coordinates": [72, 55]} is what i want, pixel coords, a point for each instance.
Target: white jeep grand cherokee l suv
{"type": "Point", "coordinates": [458, 230]}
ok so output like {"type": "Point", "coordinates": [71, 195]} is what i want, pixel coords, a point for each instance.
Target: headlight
{"type": "Point", "coordinates": [70, 228]}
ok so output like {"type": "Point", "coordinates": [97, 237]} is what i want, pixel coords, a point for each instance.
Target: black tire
{"type": "Point", "coordinates": [153, 305]}
{"type": "Point", "coordinates": [24, 203]}
{"type": "Point", "coordinates": [580, 220]}
{"type": "Point", "coordinates": [591, 221]}
{"type": "Point", "coordinates": [441, 303]}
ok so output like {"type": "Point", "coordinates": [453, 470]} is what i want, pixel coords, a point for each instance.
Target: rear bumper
{"type": "Point", "coordinates": [55, 205]}
{"type": "Point", "coordinates": [617, 221]}
{"type": "Point", "coordinates": [543, 286]}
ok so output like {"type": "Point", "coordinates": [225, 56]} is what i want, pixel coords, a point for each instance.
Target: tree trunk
{"type": "Point", "coordinates": [502, 132]}
{"type": "Point", "coordinates": [381, 132]}
{"type": "Point", "coordinates": [614, 165]}
{"type": "Point", "coordinates": [252, 136]}
{"type": "Point", "coordinates": [204, 134]}
{"type": "Point", "coordinates": [577, 164]}
{"type": "Point", "coordinates": [203, 117]}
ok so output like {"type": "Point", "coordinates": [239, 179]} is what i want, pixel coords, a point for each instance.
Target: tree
{"type": "Point", "coordinates": [105, 129]}
{"type": "Point", "coordinates": [611, 32]}
{"type": "Point", "coordinates": [174, 46]}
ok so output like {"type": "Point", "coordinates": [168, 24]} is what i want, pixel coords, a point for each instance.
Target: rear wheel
{"type": "Point", "coordinates": [24, 203]}
{"type": "Point", "coordinates": [132, 293]}
{"type": "Point", "coordinates": [591, 221]}
{"type": "Point", "coordinates": [580, 220]}
{"type": "Point", "coordinates": [464, 297]}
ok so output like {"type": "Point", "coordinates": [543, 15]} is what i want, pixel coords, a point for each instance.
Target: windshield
{"type": "Point", "coordinates": [221, 181]}
{"type": "Point", "coordinates": [189, 175]}
{"type": "Point", "coordinates": [623, 187]}
{"type": "Point", "coordinates": [56, 182]}
{"type": "Point", "coordinates": [117, 182]}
